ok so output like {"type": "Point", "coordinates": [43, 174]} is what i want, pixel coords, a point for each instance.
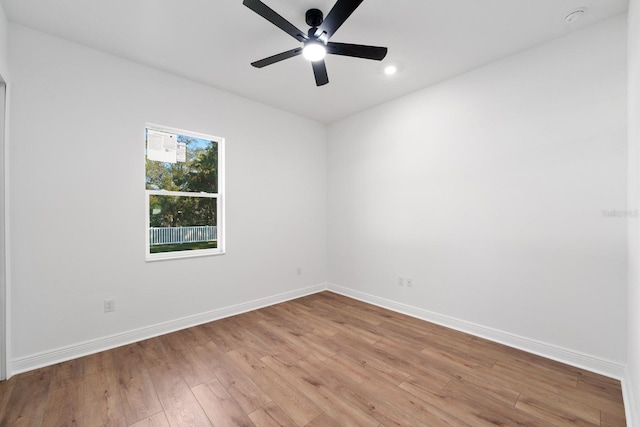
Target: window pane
{"type": "Point", "coordinates": [182, 223]}
{"type": "Point", "coordinates": [192, 165]}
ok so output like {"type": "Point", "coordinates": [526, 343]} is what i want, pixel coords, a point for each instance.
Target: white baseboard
{"type": "Point", "coordinates": [630, 402]}
{"type": "Point", "coordinates": [570, 357]}
{"type": "Point", "coordinates": [560, 354]}
{"type": "Point", "coordinates": [63, 354]}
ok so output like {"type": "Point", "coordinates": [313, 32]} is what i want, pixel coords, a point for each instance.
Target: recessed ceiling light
{"type": "Point", "coordinates": [390, 70]}
{"type": "Point", "coordinates": [575, 15]}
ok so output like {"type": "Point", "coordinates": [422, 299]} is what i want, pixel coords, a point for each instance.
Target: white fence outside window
{"type": "Point", "coordinates": [169, 235]}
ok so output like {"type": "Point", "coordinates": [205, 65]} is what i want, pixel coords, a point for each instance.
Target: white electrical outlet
{"type": "Point", "coordinates": [109, 305]}
{"type": "Point", "coordinates": [299, 271]}
{"type": "Point", "coordinates": [400, 281]}
{"type": "Point", "coordinates": [409, 283]}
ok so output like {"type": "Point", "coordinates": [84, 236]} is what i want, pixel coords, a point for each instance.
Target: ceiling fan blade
{"type": "Point", "coordinates": [320, 72]}
{"type": "Point", "coordinates": [270, 15]}
{"type": "Point", "coordinates": [277, 58]}
{"type": "Point", "coordinates": [357, 50]}
{"type": "Point", "coordinates": [336, 17]}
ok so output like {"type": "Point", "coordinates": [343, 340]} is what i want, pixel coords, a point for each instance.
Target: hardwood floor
{"type": "Point", "coordinates": [321, 360]}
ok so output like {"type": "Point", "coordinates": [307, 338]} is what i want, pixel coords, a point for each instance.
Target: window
{"type": "Point", "coordinates": [184, 193]}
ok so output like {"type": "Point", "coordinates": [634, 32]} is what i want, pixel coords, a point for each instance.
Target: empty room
{"type": "Point", "coordinates": [319, 213]}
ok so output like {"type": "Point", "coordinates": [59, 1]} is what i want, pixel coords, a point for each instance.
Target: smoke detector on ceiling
{"type": "Point", "coordinates": [575, 15]}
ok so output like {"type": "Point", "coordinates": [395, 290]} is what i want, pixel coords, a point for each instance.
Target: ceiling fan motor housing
{"type": "Point", "coordinates": [314, 18]}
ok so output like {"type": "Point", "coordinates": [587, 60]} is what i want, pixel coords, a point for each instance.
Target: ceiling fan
{"type": "Point", "coordinates": [316, 42]}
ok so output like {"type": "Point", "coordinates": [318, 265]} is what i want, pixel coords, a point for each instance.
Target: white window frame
{"type": "Point", "coordinates": [219, 196]}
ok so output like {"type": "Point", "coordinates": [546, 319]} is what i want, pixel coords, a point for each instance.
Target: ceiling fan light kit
{"type": "Point", "coordinates": [314, 50]}
{"type": "Point", "coordinates": [316, 42]}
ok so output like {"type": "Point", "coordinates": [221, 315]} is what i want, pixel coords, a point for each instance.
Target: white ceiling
{"type": "Point", "coordinates": [214, 41]}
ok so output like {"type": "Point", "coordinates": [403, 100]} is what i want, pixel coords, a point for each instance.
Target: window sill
{"type": "Point", "coordinates": [164, 256]}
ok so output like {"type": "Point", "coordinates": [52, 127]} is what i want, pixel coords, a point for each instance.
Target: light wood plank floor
{"type": "Point", "coordinates": [321, 360]}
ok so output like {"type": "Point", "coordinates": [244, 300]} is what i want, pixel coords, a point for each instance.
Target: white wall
{"type": "Point", "coordinates": [4, 78]}
{"type": "Point", "coordinates": [4, 44]}
{"type": "Point", "coordinates": [488, 190]}
{"type": "Point", "coordinates": [633, 341]}
{"type": "Point", "coordinates": [77, 199]}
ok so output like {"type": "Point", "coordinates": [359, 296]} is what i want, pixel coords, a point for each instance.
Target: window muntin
{"type": "Point", "coordinates": [184, 205]}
